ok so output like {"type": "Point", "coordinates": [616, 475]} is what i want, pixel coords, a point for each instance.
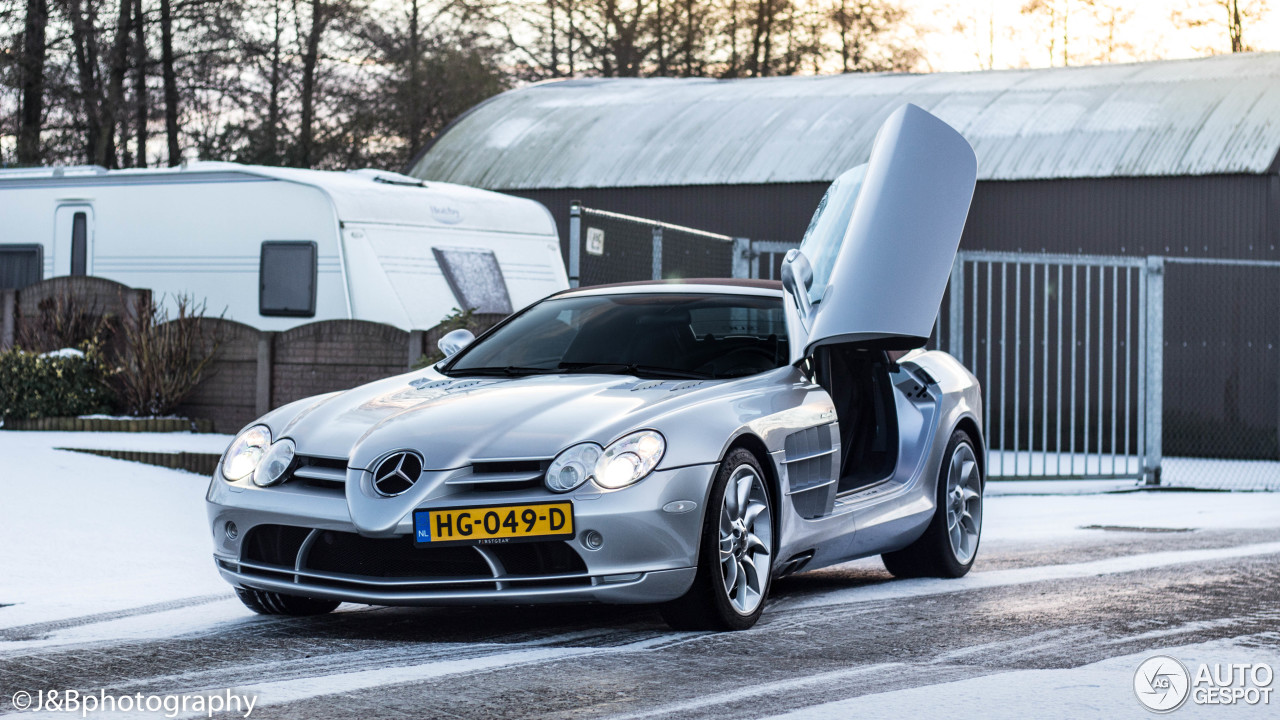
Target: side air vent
{"type": "Point", "coordinates": [808, 457]}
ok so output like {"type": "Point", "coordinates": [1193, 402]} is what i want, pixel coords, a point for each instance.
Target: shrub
{"type": "Point", "coordinates": [455, 320]}
{"type": "Point", "coordinates": [53, 384]}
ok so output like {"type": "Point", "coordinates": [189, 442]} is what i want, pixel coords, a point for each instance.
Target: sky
{"type": "Point", "coordinates": [979, 34]}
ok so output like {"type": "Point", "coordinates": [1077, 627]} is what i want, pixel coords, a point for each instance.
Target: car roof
{"type": "Point", "coordinates": [723, 286]}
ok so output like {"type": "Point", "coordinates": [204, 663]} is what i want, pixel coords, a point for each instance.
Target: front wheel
{"type": "Point", "coordinates": [949, 545]}
{"type": "Point", "coordinates": [735, 556]}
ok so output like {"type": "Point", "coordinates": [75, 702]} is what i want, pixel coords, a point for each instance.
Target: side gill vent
{"type": "Point", "coordinates": [808, 456]}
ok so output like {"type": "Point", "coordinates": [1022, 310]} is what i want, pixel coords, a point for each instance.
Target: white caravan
{"type": "Point", "coordinates": [278, 247]}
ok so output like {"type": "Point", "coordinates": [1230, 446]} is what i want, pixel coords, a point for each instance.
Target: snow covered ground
{"type": "Point", "coordinates": [81, 534]}
{"type": "Point", "coordinates": [86, 535]}
{"type": "Point", "coordinates": [100, 550]}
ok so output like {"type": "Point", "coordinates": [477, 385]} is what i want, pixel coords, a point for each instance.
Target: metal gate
{"type": "Point", "coordinates": [607, 247]}
{"type": "Point", "coordinates": [1068, 351]}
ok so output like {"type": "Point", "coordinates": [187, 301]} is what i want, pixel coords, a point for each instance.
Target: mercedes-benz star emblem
{"type": "Point", "coordinates": [397, 473]}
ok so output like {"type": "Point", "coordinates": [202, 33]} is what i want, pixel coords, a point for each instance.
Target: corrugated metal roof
{"type": "Point", "coordinates": [1179, 117]}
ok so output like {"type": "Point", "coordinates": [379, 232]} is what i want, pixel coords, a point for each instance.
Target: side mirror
{"type": "Point", "coordinates": [797, 276]}
{"type": "Point", "coordinates": [454, 341]}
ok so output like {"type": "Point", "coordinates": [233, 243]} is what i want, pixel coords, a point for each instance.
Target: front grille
{"type": "Point", "coordinates": [486, 467]}
{"type": "Point", "coordinates": [329, 474]}
{"type": "Point", "coordinates": [351, 554]}
{"type": "Point", "coordinates": [348, 560]}
{"type": "Point", "coordinates": [504, 475]}
{"type": "Point", "coordinates": [274, 544]}
{"type": "Point", "coordinates": [538, 558]}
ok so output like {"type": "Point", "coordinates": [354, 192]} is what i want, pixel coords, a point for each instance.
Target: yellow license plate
{"type": "Point", "coordinates": [493, 525]}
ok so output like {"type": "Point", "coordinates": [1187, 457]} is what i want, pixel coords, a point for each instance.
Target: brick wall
{"type": "Point", "coordinates": [227, 395]}
{"type": "Point", "coordinates": [334, 355]}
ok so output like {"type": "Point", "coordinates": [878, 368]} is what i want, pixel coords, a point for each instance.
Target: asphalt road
{"type": "Point", "coordinates": [844, 634]}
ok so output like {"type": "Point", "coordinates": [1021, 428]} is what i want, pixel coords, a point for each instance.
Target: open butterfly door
{"type": "Point", "coordinates": [874, 263]}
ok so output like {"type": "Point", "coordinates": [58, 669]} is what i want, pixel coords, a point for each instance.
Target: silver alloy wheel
{"type": "Point", "coordinates": [746, 539]}
{"type": "Point", "coordinates": [964, 503]}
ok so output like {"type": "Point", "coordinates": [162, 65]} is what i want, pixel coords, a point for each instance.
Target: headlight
{"type": "Point", "coordinates": [572, 467]}
{"type": "Point", "coordinates": [629, 459]}
{"type": "Point", "coordinates": [246, 451]}
{"type": "Point", "coordinates": [274, 464]}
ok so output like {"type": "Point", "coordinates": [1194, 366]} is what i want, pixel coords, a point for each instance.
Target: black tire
{"type": "Point", "coordinates": [706, 605]}
{"type": "Point", "coordinates": [264, 602]}
{"type": "Point", "coordinates": [931, 555]}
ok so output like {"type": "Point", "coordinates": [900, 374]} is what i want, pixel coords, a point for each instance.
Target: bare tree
{"type": "Point", "coordinates": [142, 108]}
{"type": "Point", "coordinates": [1230, 16]}
{"type": "Point", "coordinates": [31, 71]}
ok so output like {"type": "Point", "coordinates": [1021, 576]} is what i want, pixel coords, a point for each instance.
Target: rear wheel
{"type": "Point", "coordinates": [264, 602]}
{"type": "Point", "coordinates": [735, 557]}
{"type": "Point", "coordinates": [950, 544]}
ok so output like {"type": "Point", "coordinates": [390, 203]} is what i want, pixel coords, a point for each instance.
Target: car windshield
{"type": "Point", "coordinates": [665, 335]}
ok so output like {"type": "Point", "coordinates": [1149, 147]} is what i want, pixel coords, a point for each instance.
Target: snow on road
{"type": "Point", "coordinates": [1101, 689]}
{"type": "Point", "coordinates": [85, 535]}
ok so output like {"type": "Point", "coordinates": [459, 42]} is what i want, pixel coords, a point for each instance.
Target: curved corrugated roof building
{"type": "Point", "coordinates": [1209, 116]}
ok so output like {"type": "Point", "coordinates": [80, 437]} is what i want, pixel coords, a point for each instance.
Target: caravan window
{"type": "Point", "coordinates": [20, 266]}
{"type": "Point", "coordinates": [475, 278]}
{"type": "Point", "coordinates": [287, 278]}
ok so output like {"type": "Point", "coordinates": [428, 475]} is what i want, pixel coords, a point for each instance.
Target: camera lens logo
{"type": "Point", "coordinates": [1162, 684]}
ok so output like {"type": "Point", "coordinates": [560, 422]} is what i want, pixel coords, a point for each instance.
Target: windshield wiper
{"type": "Point", "coordinates": [632, 369]}
{"type": "Point", "coordinates": [509, 371]}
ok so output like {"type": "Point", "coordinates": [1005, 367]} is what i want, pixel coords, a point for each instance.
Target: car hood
{"type": "Point", "coordinates": [454, 421]}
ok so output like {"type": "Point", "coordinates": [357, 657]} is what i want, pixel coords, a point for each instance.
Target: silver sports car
{"type": "Point", "coordinates": [682, 443]}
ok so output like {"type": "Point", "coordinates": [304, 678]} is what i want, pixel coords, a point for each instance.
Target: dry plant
{"type": "Point", "coordinates": [65, 321]}
{"type": "Point", "coordinates": [162, 359]}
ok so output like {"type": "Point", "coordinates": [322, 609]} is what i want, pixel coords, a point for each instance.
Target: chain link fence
{"type": "Point", "coordinates": [607, 247]}
{"type": "Point", "coordinates": [1222, 374]}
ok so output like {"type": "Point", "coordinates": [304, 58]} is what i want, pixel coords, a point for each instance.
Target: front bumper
{"type": "Point", "coordinates": [301, 540]}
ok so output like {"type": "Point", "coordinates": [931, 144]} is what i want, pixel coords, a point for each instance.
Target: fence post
{"type": "Point", "coordinates": [955, 328]}
{"type": "Point", "coordinates": [575, 242]}
{"type": "Point", "coordinates": [742, 264]}
{"type": "Point", "coordinates": [8, 318]}
{"type": "Point", "coordinates": [657, 252]}
{"type": "Point", "coordinates": [262, 396]}
{"type": "Point", "coordinates": [1154, 450]}
{"type": "Point", "coordinates": [416, 347]}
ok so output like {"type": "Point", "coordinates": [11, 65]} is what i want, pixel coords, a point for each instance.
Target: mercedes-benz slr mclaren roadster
{"type": "Point", "coordinates": [681, 443]}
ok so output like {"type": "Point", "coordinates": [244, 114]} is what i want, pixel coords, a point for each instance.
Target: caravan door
{"type": "Point", "coordinates": [73, 240]}
{"type": "Point", "coordinates": [875, 261]}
